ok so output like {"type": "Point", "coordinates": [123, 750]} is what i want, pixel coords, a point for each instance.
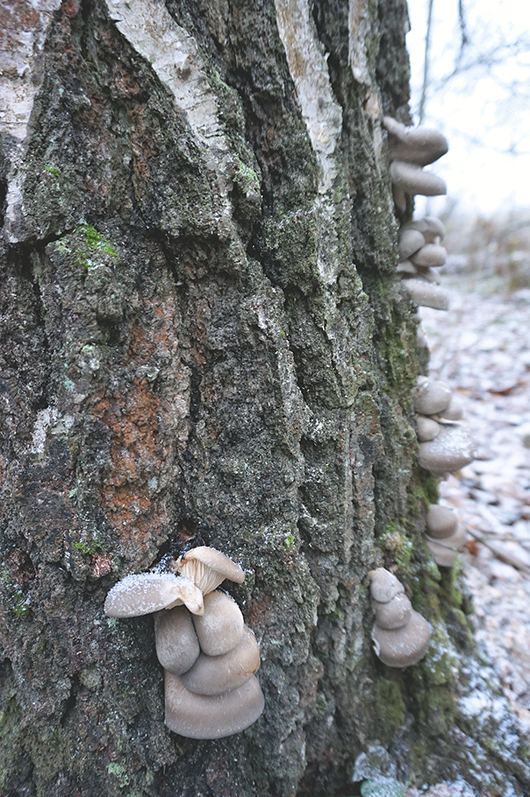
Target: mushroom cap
{"type": "Point", "coordinates": [394, 614]}
{"type": "Point", "coordinates": [443, 555]}
{"type": "Point", "coordinates": [427, 274]}
{"type": "Point", "coordinates": [430, 255]}
{"type": "Point", "coordinates": [403, 646]}
{"type": "Point", "coordinates": [177, 646]}
{"type": "Point", "coordinates": [220, 628]}
{"type": "Point", "coordinates": [208, 568]}
{"type": "Point", "coordinates": [407, 269]}
{"type": "Point", "coordinates": [454, 411]}
{"type": "Point", "coordinates": [426, 428]}
{"type": "Point", "coordinates": [385, 585]}
{"type": "Point", "coordinates": [421, 145]}
{"type": "Point", "coordinates": [414, 180]}
{"type": "Point", "coordinates": [431, 396]}
{"type": "Point", "coordinates": [448, 452]}
{"type": "Point", "coordinates": [144, 593]}
{"type": "Point", "coordinates": [212, 716]}
{"type": "Point", "coordinates": [425, 294]}
{"type": "Point", "coordinates": [410, 241]}
{"type": "Point", "coordinates": [430, 227]}
{"type": "Point", "coordinates": [213, 675]}
{"type": "Point", "coordinates": [441, 521]}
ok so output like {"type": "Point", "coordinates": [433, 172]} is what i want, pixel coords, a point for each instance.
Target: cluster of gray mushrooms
{"type": "Point", "coordinates": [209, 655]}
{"type": "Point", "coordinates": [401, 635]}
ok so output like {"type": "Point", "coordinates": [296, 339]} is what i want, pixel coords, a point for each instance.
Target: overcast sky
{"type": "Point", "coordinates": [484, 111]}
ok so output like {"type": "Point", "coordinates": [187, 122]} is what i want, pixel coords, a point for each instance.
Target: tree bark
{"type": "Point", "coordinates": [204, 342]}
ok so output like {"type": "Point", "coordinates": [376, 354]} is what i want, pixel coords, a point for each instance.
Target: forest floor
{"type": "Point", "coordinates": [481, 348]}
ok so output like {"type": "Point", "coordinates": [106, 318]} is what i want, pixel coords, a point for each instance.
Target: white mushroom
{"type": "Point", "coordinates": [177, 646]}
{"type": "Point", "coordinates": [213, 716]}
{"type": "Point", "coordinates": [208, 568]}
{"type": "Point", "coordinates": [441, 521]}
{"type": "Point", "coordinates": [220, 628]}
{"type": "Point", "coordinates": [444, 550]}
{"type": "Point", "coordinates": [429, 256]}
{"type": "Point", "coordinates": [425, 294]}
{"type": "Point", "coordinates": [414, 180]}
{"type": "Point", "coordinates": [419, 145]}
{"type": "Point", "coordinates": [401, 635]}
{"type": "Point", "coordinates": [145, 593]}
{"type": "Point", "coordinates": [426, 428]}
{"type": "Point", "coordinates": [213, 675]}
{"type": "Point", "coordinates": [448, 452]}
{"type": "Point", "coordinates": [431, 396]}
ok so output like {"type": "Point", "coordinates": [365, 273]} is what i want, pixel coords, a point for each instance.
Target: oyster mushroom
{"type": "Point", "coordinates": [419, 145]}
{"type": "Point", "coordinates": [177, 646]}
{"type": "Point", "coordinates": [145, 593]}
{"type": "Point", "coordinates": [211, 716]}
{"type": "Point", "coordinates": [426, 428]}
{"type": "Point", "coordinates": [207, 568]}
{"type": "Point", "coordinates": [444, 551]}
{"type": "Point", "coordinates": [450, 450]}
{"type": "Point", "coordinates": [220, 628]}
{"type": "Point", "coordinates": [400, 634]}
{"type": "Point", "coordinates": [431, 396]}
{"type": "Point", "coordinates": [445, 535]}
{"type": "Point", "coordinates": [213, 675]}
{"type": "Point", "coordinates": [425, 294]}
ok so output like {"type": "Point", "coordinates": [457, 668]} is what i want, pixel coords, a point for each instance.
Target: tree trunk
{"type": "Point", "coordinates": [204, 342]}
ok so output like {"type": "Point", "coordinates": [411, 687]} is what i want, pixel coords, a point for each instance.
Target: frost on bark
{"type": "Point", "coordinates": [203, 342]}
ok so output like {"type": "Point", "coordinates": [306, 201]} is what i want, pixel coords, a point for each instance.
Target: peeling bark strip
{"type": "Point", "coordinates": [322, 115]}
{"type": "Point", "coordinates": [173, 54]}
{"type": "Point", "coordinates": [23, 29]}
{"type": "Point", "coordinates": [359, 30]}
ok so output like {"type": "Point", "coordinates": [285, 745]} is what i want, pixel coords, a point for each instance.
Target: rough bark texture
{"type": "Point", "coordinates": [203, 342]}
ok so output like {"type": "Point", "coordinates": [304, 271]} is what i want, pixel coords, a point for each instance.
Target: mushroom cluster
{"type": "Point", "coordinates": [420, 252]}
{"type": "Point", "coordinates": [401, 635]}
{"type": "Point", "coordinates": [445, 446]}
{"type": "Point", "coordinates": [445, 535]}
{"type": "Point", "coordinates": [412, 148]}
{"type": "Point", "coordinates": [209, 655]}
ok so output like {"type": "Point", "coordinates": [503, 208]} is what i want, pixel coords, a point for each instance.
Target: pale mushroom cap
{"type": "Point", "coordinates": [425, 294]}
{"type": "Point", "coordinates": [431, 396]}
{"type": "Point", "coordinates": [454, 411]}
{"type": "Point", "coordinates": [208, 568]}
{"type": "Point", "coordinates": [426, 428]}
{"type": "Point", "coordinates": [443, 555]}
{"type": "Point", "coordinates": [394, 614]}
{"type": "Point", "coordinates": [213, 675]}
{"type": "Point", "coordinates": [177, 646]}
{"type": "Point", "coordinates": [220, 628]}
{"type": "Point", "coordinates": [211, 717]}
{"type": "Point", "coordinates": [427, 274]}
{"type": "Point", "coordinates": [407, 269]}
{"type": "Point", "coordinates": [441, 521]}
{"type": "Point", "coordinates": [414, 180]}
{"type": "Point", "coordinates": [409, 242]}
{"type": "Point", "coordinates": [421, 145]}
{"type": "Point", "coordinates": [404, 646]}
{"type": "Point", "coordinates": [385, 585]}
{"type": "Point", "coordinates": [448, 452]}
{"type": "Point", "coordinates": [144, 593]}
{"type": "Point", "coordinates": [430, 227]}
{"type": "Point", "coordinates": [430, 255]}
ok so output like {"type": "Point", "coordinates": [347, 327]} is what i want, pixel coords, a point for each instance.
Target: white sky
{"type": "Point", "coordinates": [481, 111]}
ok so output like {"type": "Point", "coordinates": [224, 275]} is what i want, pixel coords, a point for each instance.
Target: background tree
{"type": "Point", "coordinates": [203, 342]}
